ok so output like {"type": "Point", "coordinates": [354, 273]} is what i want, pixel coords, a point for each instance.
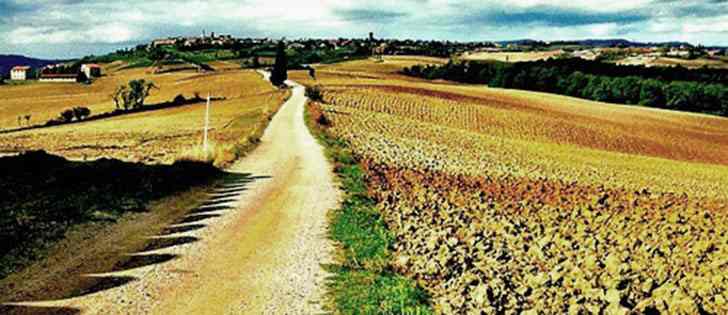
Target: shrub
{"type": "Point", "coordinates": [179, 100]}
{"type": "Point", "coordinates": [66, 115]}
{"type": "Point", "coordinates": [314, 93]}
{"type": "Point", "coordinates": [81, 112]}
{"type": "Point", "coordinates": [323, 121]}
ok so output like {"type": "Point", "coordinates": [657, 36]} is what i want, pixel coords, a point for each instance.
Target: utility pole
{"type": "Point", "coordinates": [207, 126]}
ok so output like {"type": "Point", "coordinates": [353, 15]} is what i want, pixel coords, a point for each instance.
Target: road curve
{"type": "Point", "coordinates": [262, 246]}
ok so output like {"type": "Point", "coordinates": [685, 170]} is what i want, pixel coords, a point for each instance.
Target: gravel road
{"type": "Point", "coordinates": [260, 250]}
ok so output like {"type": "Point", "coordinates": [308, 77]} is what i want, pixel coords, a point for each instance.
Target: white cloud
{"type": "Point", "coordinates": [604, 29]}
{"type": "Point", "coordinates": [106, 33]}
{"type": "Point", "coordinates": [104, 21]}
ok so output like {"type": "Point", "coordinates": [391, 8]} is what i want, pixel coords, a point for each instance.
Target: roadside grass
{"type": "Point", "coordinates": [240, 136]}
{"type": "Point", "coordinates": [362, 281]}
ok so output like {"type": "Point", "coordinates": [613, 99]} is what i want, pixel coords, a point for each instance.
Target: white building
{"type": "Point", "coordinates": [58, 78]}
{"type": "Point", "coordinates": [91, 70]}
{"type": "Point", "coordinates": [20, 73]}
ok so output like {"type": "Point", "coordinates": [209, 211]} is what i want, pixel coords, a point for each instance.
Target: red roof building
{"type": "Point", "coordinates": [20, 73]}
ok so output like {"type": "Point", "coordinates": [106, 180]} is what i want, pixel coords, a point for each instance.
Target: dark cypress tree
{"type": "Point", "coordinates": [280, 69]}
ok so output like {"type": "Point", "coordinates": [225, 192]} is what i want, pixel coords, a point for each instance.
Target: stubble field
{"type": "Point", "coordinates": [511, 201]}
{"type": "Point", "coordinates": [511, 56]}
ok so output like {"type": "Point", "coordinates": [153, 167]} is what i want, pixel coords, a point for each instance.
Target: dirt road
{"type": "Point", "coordinates": [256, 247]}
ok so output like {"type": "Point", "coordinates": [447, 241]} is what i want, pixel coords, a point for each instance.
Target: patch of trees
{"type": "Point", "coordinates": [79, 113]}
{"type": "Point", "coordinates": [643, 88]}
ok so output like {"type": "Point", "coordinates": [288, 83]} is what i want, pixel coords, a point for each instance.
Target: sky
{"type": "Point", "coordinates": [75, 28]}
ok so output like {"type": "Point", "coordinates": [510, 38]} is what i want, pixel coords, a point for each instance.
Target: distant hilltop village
{"type": "Point", "coordinates": [228, 41]}
{"type": "Point", "coordinates": [195, 42]}
{"type": "Point", "coordinates": [585, 49]}
{"type": "Point", "coordinates": [183, 52]}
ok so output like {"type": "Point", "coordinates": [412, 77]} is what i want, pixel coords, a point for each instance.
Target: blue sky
{"type": "Point", "coordinates": [72, 28]}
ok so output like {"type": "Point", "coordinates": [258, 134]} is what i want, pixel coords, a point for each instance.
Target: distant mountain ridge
{"type": "Point", "coordinates": [7, 62]}
{"type": "Point", "coordinates": [595, 43]}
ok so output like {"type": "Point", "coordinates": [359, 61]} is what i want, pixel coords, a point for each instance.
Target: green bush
{"type": "Point", "coordinates": [66, 115]}
{"type": "Point", "coordinates": [314, 93]}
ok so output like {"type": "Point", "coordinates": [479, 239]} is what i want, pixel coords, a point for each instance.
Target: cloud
{"type": "Point", "coordinates": [368, 15]}
{"type": "Point", "coordinates": [547, 15]}
{"type": "Point", "coordinates": [106, 33]}
{"type": "Point", "coordinates": [82, 26]}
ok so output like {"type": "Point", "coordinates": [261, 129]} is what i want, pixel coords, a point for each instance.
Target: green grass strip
{"type": "Point", "coordinates": [362, 281]}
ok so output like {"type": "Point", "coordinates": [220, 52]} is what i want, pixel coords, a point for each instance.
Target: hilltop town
{"type": "Point", "coordinates": [255, 52]}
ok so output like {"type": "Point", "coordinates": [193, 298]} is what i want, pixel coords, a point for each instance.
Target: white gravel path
{"type": "Point", "coordinates": [263, 255]}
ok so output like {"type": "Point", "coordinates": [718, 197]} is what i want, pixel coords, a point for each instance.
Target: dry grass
{"type": "Point", "coordinates": [163, 135]}
{"type": "Point", "coordinates": [673, 62]}
{"type": "Point", "coordinates": [511, 56]}
{"type": "Point", "coordinates": [696, 63]}
{"type": "Point", "coordinates": [357, 70]}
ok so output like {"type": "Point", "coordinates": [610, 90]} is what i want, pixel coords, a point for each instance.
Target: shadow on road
{"type": "Point", "coordinates": [222, 200]}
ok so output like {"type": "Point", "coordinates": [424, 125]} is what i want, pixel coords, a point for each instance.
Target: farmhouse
{"type": "Point", "coordinates": [47, 77]}
{"type": "Point", "coordinates": [20, 73]}
{"type": "Point", "coordinates": [91, 70]}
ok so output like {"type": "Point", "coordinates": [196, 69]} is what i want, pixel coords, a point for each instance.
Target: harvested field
{"type": "Point", "coordinates": [513, 201]}
{"type": "Point", "coordinates": [511, 56]}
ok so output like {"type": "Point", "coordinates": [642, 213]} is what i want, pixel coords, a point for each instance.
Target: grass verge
{"type": "Point", "coordinates": [362, 281]}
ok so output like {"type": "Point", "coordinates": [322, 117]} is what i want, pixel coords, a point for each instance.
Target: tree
{"type": "Point", "coordinates": [157, 54]}
{"type": "Point", "coordinates": [140, 89]}
{"type": "Point", "coordinates": [133, 95]}
{"type": "Point", "coordinates": [279, 75]}
{"type": "Point", "coordinates": [577, 82]}
{"type": "Point", "coordinates": [120, 97]}
{"type": "Point", "coordinates": [652, 93]}
{"type": "Point", "coordinates": [680, 95]}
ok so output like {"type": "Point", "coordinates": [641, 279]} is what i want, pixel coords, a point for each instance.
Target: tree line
{"type": "Point", "coordinates": [660, 88]}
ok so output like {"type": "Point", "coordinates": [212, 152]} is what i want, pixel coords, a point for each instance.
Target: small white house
{"type": "Point", "coordinates": [20, 73]}
{"type": "Point", "coordinates": [91, 70]}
